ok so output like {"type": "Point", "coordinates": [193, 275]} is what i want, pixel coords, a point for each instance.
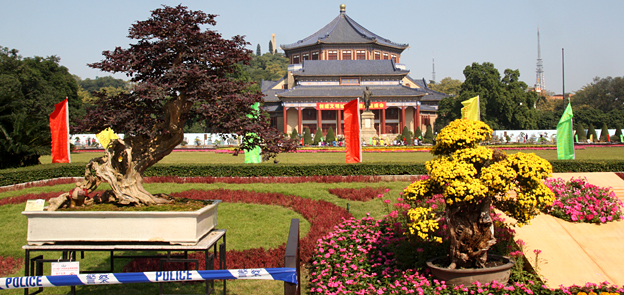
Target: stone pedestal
{"type": "Point", "coordinates": [367, 130]}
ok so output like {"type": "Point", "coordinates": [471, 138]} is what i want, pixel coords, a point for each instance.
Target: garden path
{"type": "Point", "coordinates": [577, 253]}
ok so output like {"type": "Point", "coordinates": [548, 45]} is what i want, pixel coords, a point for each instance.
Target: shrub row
{"type": "Point", "coordinates": [40, 172]}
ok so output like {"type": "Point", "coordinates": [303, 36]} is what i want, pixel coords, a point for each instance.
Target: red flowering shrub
{"type": "Point", "coordinates": [323, 217]}
{"type": "Point", "coordinates": [357, 194]}
{"type": "Point", "coordinates": [9, 265]}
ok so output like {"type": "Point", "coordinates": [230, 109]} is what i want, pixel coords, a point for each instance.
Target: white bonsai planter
{"type": "Point", "coordinates": [174, 227]}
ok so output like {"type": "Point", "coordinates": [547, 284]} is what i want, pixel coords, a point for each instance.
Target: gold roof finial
{"type": "Point", "coordinates": [343, 7]}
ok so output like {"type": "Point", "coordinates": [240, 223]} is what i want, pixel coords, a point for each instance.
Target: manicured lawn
{"type": "Point", "coordinates": [210, 157]}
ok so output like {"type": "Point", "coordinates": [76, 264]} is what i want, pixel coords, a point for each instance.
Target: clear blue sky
{"type": "Point", "coordinates": [457, 33]}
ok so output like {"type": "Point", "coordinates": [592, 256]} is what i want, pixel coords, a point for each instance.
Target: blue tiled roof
{"type": "Point", "coordinates": [343, 30]}
{"type": "Point", "coordinates": [348, 67]}
{"type": "Point", "coordinates": [350, 92]}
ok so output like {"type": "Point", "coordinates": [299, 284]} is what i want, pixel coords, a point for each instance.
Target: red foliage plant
{"type": "Point", "coordinates": [40, 183]}
{"type": "Point", "coordinates": [323, 217]}
{"type": "Point", "coordinates": [268, 179]}
{"type": "Point", "coordinates": [357, 194]}
{"type": "Point", "coordinates": [8, 265]}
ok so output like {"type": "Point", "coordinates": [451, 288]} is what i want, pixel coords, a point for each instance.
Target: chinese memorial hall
{"type": "Point", "coordinates": [334, 66]}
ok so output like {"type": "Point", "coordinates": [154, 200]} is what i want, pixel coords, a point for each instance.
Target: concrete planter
{"type": "Point", "coordinates": [456, 277]}
{"type": "Point", "coordinates": [174, 227]}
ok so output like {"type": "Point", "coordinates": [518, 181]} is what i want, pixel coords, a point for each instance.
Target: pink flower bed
{"type": "Point", "coordinates": [578, 201]}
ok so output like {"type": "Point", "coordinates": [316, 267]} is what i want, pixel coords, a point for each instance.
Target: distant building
{"type": "Point", "coordinates": [332, 67]}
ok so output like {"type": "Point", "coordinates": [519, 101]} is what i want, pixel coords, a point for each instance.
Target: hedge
{"type": "Point", "coordinates": [48, 171]}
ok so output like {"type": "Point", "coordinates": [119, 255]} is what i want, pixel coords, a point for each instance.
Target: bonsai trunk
{"type": "Point", "coordinates": [471, 233]}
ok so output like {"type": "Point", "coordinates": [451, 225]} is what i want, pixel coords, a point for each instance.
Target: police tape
{"type": "Point", "coordinates": [288, 275]}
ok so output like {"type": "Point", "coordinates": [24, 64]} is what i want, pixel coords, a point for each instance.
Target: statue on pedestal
{"type": "Point", "coordinates": [366, 95]}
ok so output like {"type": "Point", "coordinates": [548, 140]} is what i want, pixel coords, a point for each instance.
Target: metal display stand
{"type": "Point", "coordinates": [34, 266]}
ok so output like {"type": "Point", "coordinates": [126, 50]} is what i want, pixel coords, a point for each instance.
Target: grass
{"type": "Point", "coordinates": [210, 157]}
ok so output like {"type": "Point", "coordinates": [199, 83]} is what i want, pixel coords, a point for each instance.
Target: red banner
{"type": "Point", "coordinates": [352, 131]}
{"type": "Point", "coordinates": [333, 106]}
{"type": "Point", "coordinates": [59, 126]}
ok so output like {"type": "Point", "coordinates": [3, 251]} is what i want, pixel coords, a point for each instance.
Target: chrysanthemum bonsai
{"type": "Point", "coordinates": [474, 179]}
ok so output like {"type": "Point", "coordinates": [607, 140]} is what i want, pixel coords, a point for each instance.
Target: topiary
{"type": "Point", "coordinates": [604, 133]}
{"type": "Point", "coordinates": [617, 137]}
{"type": "Point", "coordinates": [428, 138]}
{"type": "Point", "coordinates": [330, 137]}
{"type": "Point", "coordinates": [418, 133]}
{"type": "Point", "coordinates": [406, 136]}
{"type": "Point", "coordinates": [307, 136]}
{"type": "Point", "coordinates": [318, 136]}
{"type": "Point", "coordinates": [580, 133]}
{"type": "Point", "coordinates": [294, 135]}
{"type": "Point", "coordinates": [591, 133]}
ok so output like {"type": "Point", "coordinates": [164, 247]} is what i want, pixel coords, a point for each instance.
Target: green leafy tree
{"type": "Point", "coordinates": [428, 138]}
{"type": "Point", "coordinates": [307, 136]}
{"type": "Point", "coordinates": [183, 71]}
{"type": "Point", "coordinates": [271, 47]}
{"type": "Point", "coordinates": [318, 136]}
{"type": "Point", "coordinates": [268, 67]}
{"type": "Point", "coordinates": [406, 136]}
{"type": "Point", "coordinates": [330, 137]}
{"type": "Point", "coordinates": [294, 135]}
{"type": "Point", "coordinates": [418, 133]}
{"type": "Point", "coordinates": [258, 50]}
{"type": "Point", "coordinates": [604, 94]}
{"type": "Point", "coordinates": [580, 133]}
{"type": "Point", "coordinates": [591, 133]}
{"type": "Point", "coordinates": [604, 133]}
{"type": "Point", "coordinates": [617, 137]}
{"type": "Point", "coordinates": [447, 85]}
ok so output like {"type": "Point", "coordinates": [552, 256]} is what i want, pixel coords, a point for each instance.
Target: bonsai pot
{"type": "Point", "coordinates": [466, 277]}
{"type": "Point", "coordinates": [173, 227]}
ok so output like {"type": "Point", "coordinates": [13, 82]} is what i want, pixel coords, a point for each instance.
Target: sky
{"type": "Point", "coordinates": [580, 40]}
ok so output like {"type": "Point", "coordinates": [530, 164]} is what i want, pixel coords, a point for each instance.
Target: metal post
{"type": "Point", "coordinates": [291, 258]}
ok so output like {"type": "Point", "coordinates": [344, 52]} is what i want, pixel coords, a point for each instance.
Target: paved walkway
{"type": "Point", "coordinates": [577, 253]}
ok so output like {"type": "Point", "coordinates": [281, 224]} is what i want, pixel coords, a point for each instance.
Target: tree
{"type": "Point", "coordinates": [604, 133]}
{"type": "Point", "coordinates": [330, 137]}
{"type": "Point", "coordinates": [294, 135]}
{"type": "Point", "coordinates": [318, 136]}
{"type": "Point", "coordinates": [29, 89]}
{"type": "Point", "coordinates": [617, 137]}
{"type": "Point", "coordinates": [447, 85]}
{"type": "Point", "coordinates": [605, 94]}
{"type": "Point", "coordinates": [307, 136]}
{"type": "Point", "coordinates": [258, 50]}
{"type": "Point", "coordinates": [268, 67]}
{"type": "Point", "coordinates": [271, 49]}
{"type": "Point", "coordinates": [406, 136]}
{"type": "Point", "coordinates": [428, 138]}
{"type": "Point", "coordinates": [580, 133]}
{"type": "Point", "coordinates": [418, 133]}
{"type": "Point", "coordinates": [181, 73]}
{"type": "Point", "coordinates": [591, 133]}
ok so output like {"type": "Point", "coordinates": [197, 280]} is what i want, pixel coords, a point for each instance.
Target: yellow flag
{"type": "Point", "coordinates": [106, 136]}
{"type": "Point", "coordinates": [470, 110]}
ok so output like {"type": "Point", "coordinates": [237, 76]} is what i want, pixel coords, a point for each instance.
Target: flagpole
{"type": "Point", "coordinates": [563, 77]}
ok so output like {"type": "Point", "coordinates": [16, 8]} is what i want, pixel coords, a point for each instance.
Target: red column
{"type": "Point", "coordinates": [285, 120]}
{"type": "Point", "coordinates": [402, 121]}
{"type": "Point", "coordinates": [319, 123]}
{"type": "Point", "coordinates": [417, 118]}
{"type": "Point", "coordinates": [339, 123]}
{"type": "Point", "coordinates": [300, 125]}
{"type": "Point", "coordinates": [382, 122]}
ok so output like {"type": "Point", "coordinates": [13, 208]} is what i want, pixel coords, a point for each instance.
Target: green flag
{"type": "Point", "coordinates": [565, 138]}
{"type": "Point", "coordinates": [253, 156]}
{"type": "Point", "coordinates": [471, 110]}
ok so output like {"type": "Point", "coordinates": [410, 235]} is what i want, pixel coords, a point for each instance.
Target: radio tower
{"type": "Point", "coordinates": [433, 73]}
{"type": "Point", "coordinates": [539, 72]}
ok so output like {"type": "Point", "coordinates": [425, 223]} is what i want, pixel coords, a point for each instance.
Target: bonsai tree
{"type": "Point", "coordinates": [181, 73]}
{"type": "Point", "coordinates": [307, 136]}
{"type": "Point", "coordinates": [604, 133]}
{"type": "Point", "coordinates": [617, 137]}
{"type": "Point", "coordinates": [580, 133]}
{"type": "Point", "coordinates": [591, 133]}
{"type": "Point", "coordinates": [330, 137]}
{"type": "Point", "coordinates": [472, 179]}
{"type": "Point", "coordinates": [318, 136]}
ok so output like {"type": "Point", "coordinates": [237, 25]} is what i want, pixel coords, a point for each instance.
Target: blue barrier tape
{"type": "Point", "coordinates": [288, 275]}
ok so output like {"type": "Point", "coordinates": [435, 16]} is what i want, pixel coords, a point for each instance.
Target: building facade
{"type": "Point", "coordinates": [334, 66]}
